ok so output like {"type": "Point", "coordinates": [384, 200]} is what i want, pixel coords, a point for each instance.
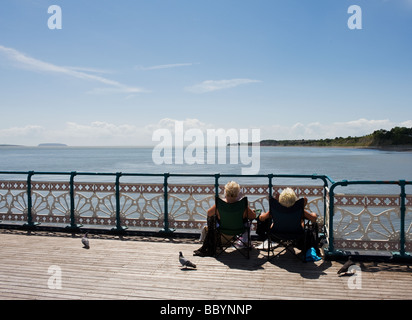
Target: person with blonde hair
{"type": "Point", "coordinates": [232, 190]}
{"type": "Point", "coordinates": [208, 236]}
{"type": "Point", "coordinates": [232, 194]}
{"type": "Point", "coordinates": [288, 202]}
{"type": "Point", "coordinates": [287, 199]}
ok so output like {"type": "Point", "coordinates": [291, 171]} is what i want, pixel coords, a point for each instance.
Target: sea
{"type": "Point", "coordinates": [337, 163]}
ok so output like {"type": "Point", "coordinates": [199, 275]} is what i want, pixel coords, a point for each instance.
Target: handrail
{"type": "Point", "coordinates": [329, 186]}
{"type": "Point", "coordinates": [165, 176]}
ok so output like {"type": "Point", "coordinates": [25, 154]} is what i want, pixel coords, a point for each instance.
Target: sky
{"type": "Point", "coordinates": [118, 71]}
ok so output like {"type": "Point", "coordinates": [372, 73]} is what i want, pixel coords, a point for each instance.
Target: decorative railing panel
{"type": "Point", "coordinates": [367, 222]}
{"type": "Point", "coordinates": [189, 204]}
{"type": "Point", "coordinates": [141, 205]}
{"type": "Point", "coordinates": [13, 201]}
{"type": "Point", "coordinates": [408, 224]}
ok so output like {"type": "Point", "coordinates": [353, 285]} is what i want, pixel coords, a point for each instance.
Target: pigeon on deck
{"type": "Point", "coordinates": [85, 241]}
{"type": "Point", "coordinates": [184, 262]}
{"type": "Point", "coordinates": [346, 266]}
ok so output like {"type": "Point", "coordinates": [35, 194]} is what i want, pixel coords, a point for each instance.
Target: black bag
{"type": "Point", "coordinates": [262, 228]}
{"type": "Point", "coordinates": [211, 240]}
{"type": "Point", "coordinates": [311, 238]}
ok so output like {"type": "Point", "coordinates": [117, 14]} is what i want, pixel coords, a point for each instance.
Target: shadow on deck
{"type": "Point", "coordinates": [147, 267]}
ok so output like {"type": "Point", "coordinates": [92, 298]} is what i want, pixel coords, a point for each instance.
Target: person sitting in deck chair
{"type": "Point", "coordinates": [232, 194]}
{"type": "Point", "coordinates": [288, 199]}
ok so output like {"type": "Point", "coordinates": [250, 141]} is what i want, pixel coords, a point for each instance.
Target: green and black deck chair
{"type": "Point", "coordinates": [231, 225]}
{"type": "Point", "coordinates": [287, 230]}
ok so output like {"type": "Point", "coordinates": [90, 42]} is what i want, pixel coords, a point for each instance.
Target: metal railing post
{"type": "Point", "coordinates": [325, 191]}
{"type": "Point", "coordinates": [166, 228]}
{"type": "Point", "coordinates": [217, 176]}
{"type": "Point", "coordinates": [331, 213]}
{"type": "Point", "coordinates": [29, 202]}
{"type": "Point", "coordinates": [270, 185]}
{"type": "Point", "coordinates": [73, 226]}
{"type": "Point", "coordinates": [331, 248]}
{"type": "Point", "coordinates": [117, 196]}
{"type": "Point", "coordinates": [403, 210]}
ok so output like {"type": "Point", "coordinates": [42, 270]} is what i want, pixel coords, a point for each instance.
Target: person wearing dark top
{"type": "Point", "coordinates": [288, 201]}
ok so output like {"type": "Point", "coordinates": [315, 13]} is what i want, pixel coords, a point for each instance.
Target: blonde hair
{"type": "Point", "coordinates": [287, 198]}
{"type": "Point", "coordinates": [232, 189]}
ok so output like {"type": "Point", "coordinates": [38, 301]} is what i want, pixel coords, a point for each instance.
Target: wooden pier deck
{"type": "Point", "coordinates": [147, 268]}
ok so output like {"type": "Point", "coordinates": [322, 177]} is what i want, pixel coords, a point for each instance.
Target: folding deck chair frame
{"type": "Point", "coordinates": [231, 226]}
{"type": "Point", "coordinates": [287, 229]}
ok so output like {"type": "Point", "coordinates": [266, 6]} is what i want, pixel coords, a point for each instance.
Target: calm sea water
{"type": "Point", "coordinates": [337, 163]}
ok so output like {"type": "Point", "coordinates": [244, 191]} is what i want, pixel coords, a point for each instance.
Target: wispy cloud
{"type": "Point", "coordinates": [27, 62]}
{"type": "Point", "coordinates": [214, 85]}
{"type": "Point", "coordinates": [90, 70]}
{"type": "Point", "coordinates": [165, 66]}
{"type": "Point", "coordinates": [16, 132]}
{"type": "Point", "coordinates": [117, 89]}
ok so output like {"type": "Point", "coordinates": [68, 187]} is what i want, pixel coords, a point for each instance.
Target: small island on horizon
{"type": "Point", "coordinates": [52, 145]}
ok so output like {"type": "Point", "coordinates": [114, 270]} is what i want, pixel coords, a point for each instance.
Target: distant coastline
{"type": "Point", "coordinates": [397, 139]}
{"type": "Point", "coordinates": [39, 145]}
{"type": "Point", "coordinates": [399, 148]}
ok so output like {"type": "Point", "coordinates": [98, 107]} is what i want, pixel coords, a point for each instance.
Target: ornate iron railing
{"type": "Point", "coordinates": [362, 222]}
{"type": "Point", "coordinates": [370, 222]}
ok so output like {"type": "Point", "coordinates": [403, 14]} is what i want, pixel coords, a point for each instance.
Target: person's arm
{"type": "Point", "coordinates": [311, 216]}
{"type": "Point", "coordinates": [211, 211]}
{"type": "Point", "coordinates": [263, 216]}
{"type": "Point", "coordinates": [251, 214]}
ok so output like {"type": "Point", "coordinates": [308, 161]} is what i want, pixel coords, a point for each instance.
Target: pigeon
{"type": "Point", "coordinates": [346, 266]}
{"type": "Point", "coordinates": [85, 241]}
{"type": "Point", "coordinates": [185, 263]}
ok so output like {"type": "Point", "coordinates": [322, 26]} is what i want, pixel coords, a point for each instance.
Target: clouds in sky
{"type": "Point", "coordinates": [100, 133]}
{"type": "Point", "coordinates": [165, 66]}
{"type": "Point", "coordinates": [24, 61]}
{"type": "Point", "coordinates": [96, 133]}
{"type": "Point", "coordinates": [267, 66]}
{"type": "Point", "coordinates": [104, 133]}
{"type": "Point", "coordinates": [317, 130]}
{"type": "Point", "coordinates": [214, 85]}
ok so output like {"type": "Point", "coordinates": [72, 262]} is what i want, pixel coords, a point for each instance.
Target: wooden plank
{"type": "Point", "coordinates": [141, 269]}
